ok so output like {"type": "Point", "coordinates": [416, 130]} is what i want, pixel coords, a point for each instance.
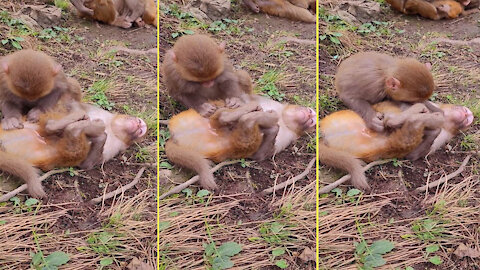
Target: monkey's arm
{"type": "Point", "coordinates": [79, 5]}
{"type": "Point", "coordinates": [44, 104]}
{"type": "Point", "coordinates": [364, 109]}
{"type": "Point", "coordinates": [12, 115]}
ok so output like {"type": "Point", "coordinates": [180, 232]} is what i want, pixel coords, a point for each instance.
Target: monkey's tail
{"type": "Point", "coordinates": [20, 168]}
{"type": "Point", "coordinates": [192, 160]}
{"type": "Point", "coordinates": [345, 161]}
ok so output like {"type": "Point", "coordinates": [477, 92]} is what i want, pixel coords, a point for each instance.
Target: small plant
{"type": "Point", "coordinates": [27, 206]}
{"type": "Point", "coordinates": [426, 230]}
{"type": "Point", "coordinates": [142, 154]}
{"type": "Point", "coordinates": [328, 103]}
{"type": "Point", "coordinates": [282, 264]}
{"type": "Point", "coordinates": [51, 262]}
{"type": "Point", "coordinates": [13, 41]}
{"type": "Point", "coordinates": [468, 142]}
{"type": "Point", "coordinates": [182, 32]}
{"type": "Point", "coordinates": [52, 33]}
{"type": "Point", "coordinates": [436, 260]}
{"type": "Point", "coordinates": [368, 28]}
{"type": "Point", "coordinates": [371, 256]}
{"type": "Point", "coordinates": [219, 258]}
{"type": "Point", "coordinates": [103, 242]}
{"type": "Point", "coordinates": [62, 4]}
{"type": "Point", "coordinates": [274, 232]}
{"type": "Point", "coordinates": [332, 37]}
{"type": "Point", "coordinates": [266, 85]}
{"type": "Point", "coordinates": [96, 93]}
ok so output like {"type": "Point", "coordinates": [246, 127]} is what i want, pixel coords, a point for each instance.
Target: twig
{"type": "Point", "coordinates": [151, 165]}
{"type": "Point", "coordinates": [23, 187]}
{"type": "Point", "coordinates": [446, 178]}
{"type": "Point", "coordinates": [120, 189]}
{"type": "Point", "coordinates": [163, 122]}
{"type": "Point", "coordinates": [347, 177]}
{"type": "Point", "coordinates": [292, 180]}
{"type": "Point", "coordinates": [194, 179]}
{"type": "Point", "coordinates": [131, 51]}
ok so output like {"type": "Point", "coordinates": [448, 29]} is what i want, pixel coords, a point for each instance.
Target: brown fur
{"type": "Point", "coordinates": [362, 80]}
{"type": "Point", "coordinates": [196, 71]}
{"type": "Point", "coordinates": [434, 10]}
{"type": "Point", "coordinates": [31, 80]}
{"type": "Point", "coordinates": [296, 10]}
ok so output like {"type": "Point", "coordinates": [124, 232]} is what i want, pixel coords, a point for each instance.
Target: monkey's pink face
{"type": "Point", "coordinates": [460, 116]}
{"type": "Point", "coordinates": [305, 119]}
{"type": "Point", "coordinates": [129, 128]}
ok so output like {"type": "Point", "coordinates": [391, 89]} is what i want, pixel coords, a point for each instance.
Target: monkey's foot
{"type": "Point", "coordinates": [376, 123]}
{"type": "Point", "coordinates": [233, 102]}
{"type": "Point", "coordinates": [34, 115]}
{"type": "Point", "coordinates": [35, 189]}
{"type": "Point", "coordinates": [11, 123]}
{"type": "Point", "coordinates": [207, 109]}
{"type": "Point", "coordinates": [54, 126]}
{"type": "Point", "coordinates": [139, 22]}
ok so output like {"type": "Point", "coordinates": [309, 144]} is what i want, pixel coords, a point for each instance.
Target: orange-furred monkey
{"type": "Point", "coordinates": [257, 130]}
{"type": "Point", "coordinates": [66, 141]}
{"type": "Point", "coordinates": [347, 140]}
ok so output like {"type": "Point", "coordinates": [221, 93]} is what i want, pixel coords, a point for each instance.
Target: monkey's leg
{"type": "Point", "coordinates": [397, 120]}
{"type": "Point", "coordinates": [192, 160]}
{"type": "Point", "coordinates": [268, 123]}
{"type": "Point", "coordinates": [286, 10]}
{"type": "Point", "coordinates": [78, 4]}
{"type": "Point", "coordinates": [227, 116]}
{"type": "Point", "coordinates": [20, 168]}
{"type": "Point", "coordinates": [137, 8]}
{"type": "Point", "coordinates": [433, 123]}
{"type": "Point", "coordinates": [55, 126]}
{"type": "Point", "coordinates": [299, 3]}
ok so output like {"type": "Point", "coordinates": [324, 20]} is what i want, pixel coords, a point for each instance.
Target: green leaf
{"type": "Point", "coordinates": [432, 248]}
{"type": "Point", "coordinates": [282, 264]}
{"type": "Point", "coordinates": [4, 41]}
{"type": "Point", "coordinates": [337, 192]}
{"type": "Point", "coordinates": [334, 40]}
{"type": "Point", "coordinates": [409, 268]}
{"type": "Point", "coordinates": [3, 222]}
{"type": "Point", "coordinates": [106, 261]}
{"type": "Point", "coordinates": [360, 247]}
{"type": "Point", "coordinates": [163, 225]}
{"type": "Point", "coordinates": [202, 193]}
{"type": "Point", "coordinates": [189, 32]}
{"type": "Point", "coordinates": [436, 260]}
{"type": "Point", "coordinates": [31, 202]}
{"type": "Point", "coordinates": [57, 258]}
{"type": "Point", "coordinates": [353, 192]}
{"type": "Point", "coordinates": [15, 200]}
{"type": "Point", "coordinates": [229, 249]}
{"type": "Point", "coordinates": [16, 45]}
{"type": "Point", "coordinates": [37, 258]}
{"type": "Point", "coordinates": [381, 247]}
{"type": "Point", "coordinates": [50, 267]}
{"type": "Point", "coordinates": [165, 165]}
{"type": "Point", "coordinates": [209, 248]}
{"type": "Point", "coordinates": [222, 263]}
{"type": "Point", "coordinates": [278, 252]}
{"type": "Point", "coordinates": [188, 192]}
{"type": "Point", "coordinates": [19, 38]}
{"type": "Point", "coordinates": [374, 260]}
{"type": "Point", "coordinates": [174, 35]}
{"type": "Point", "coordinates": [276, 227]}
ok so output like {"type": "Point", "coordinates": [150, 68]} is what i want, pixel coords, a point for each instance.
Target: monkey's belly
{"type": "Point", "coordinates": [26, 143]}
{"type": "Point", "coordinates": [346, 131]}
{"type": "Point", "coordinates": [195, 132]}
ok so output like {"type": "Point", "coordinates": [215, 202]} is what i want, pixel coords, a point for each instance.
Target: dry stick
{"type": "Point", "coordinates": [23, 187]}
{"type": "Point", "coordinates": [163, 122]}
{"type": "Point", "coordinates": [194, 179]}
{"type": "Point", "coordinates": [347, 177]}
{"type": "Point", "coordinates": [446, 178]}
{"type": "Point", "coordinates": [131, 51]}
{"type": "Point", "coordinates": [292, 180]}
{"type": "Point", "coordinates": [120, 189]}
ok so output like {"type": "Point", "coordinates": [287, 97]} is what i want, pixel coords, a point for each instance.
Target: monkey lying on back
{"type": "Point", "coordinates": [122, 13]}
{"type": "Point", "coordinates": [31, 80]}
{"type": "Point", "coordinates": [346, 139]}
{"type": "Point", "coordinates": [297, 10]}
{"type": "Point", "coordinates": [84, 137]}
{"type": "Point", "coordinates": [244, 132]}
{"type": "Point", "coordinates": [196, 71]}
{"type": "Point", "coordinates": [434, 10]}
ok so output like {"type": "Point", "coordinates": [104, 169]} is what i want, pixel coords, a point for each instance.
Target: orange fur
{"type": "Point", "coordinates": [286, 9]}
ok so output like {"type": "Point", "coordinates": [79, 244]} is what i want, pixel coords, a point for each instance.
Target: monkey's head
{"type": "Point", "coordinates": [411, 81]}
{"type": "Point", "coordinates": [128, 129]}
{"type": "Point", "coordinates": [198, 58]}
{"type": "Point", "coordinates": [456, 117]}
{"type": "Point", "coordinates": [30, 74]}
{"type": "Point", "coordinates": [299, 119]}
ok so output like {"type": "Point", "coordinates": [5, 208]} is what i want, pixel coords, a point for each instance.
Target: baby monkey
{"type": "Point", "coordinates": [30, 80]}
{"type": "Point", "coordinates": [369, 77]}
{"type": "Point", "coordinates": [196, 71]}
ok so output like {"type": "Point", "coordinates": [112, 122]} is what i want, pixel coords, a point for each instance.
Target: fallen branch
{"type": "Point", "coordinates": [23, 187]}
{"type": "Point", "coordinates": [292, 180]}
{"type": "Point", "coordinates": [458, 42]}
{"type": "Point", "coordinates": [446, 178]}
{"type": "Point", "coordinates": [194, 179]}
{"type": "Point", "coordinates": [298, 40]}
{"type": "Point", "coordinates": [120, 189]}
{"type": "Point", "coordinates": [347, 177]}
{"type": "Point", "coordinates": [131, 51]}
{"type": "Point", "coordinates": [163, 122]}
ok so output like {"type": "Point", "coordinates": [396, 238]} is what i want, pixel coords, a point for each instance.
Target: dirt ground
{"type": "Point", "coordinates": [116, 71]}
{"type": "Point", "coordinates": [238, 212]}
{"type": "Point", "coordinates": [449, 215]}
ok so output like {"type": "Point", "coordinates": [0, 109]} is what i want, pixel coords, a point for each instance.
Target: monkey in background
{"type": "Point", "coordinates": [434, 10]}
{"type": "Point", "coordinates": [346, 139]}
{"type": "Point", "coordinates": [31, 80]}
{"type": "Point", "coordinates": [367, 78]}
{"type": "Point", "coordinates": [258, 129]}
{"type": "Point", "coordinates": [121, 13]}
{"type": "Point", "coordinates": [196, 71]}
{"type": "Point", "coordinates": [79, 136]}
{"type": "Point", "coordinates": [297, 10]}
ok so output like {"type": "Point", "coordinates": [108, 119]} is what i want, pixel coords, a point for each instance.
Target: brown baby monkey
{"type": "Point", "coordinates": [30, 80]}
{"type": "Point", "coordinates": [196, 71]}
{"type": "Point", "coordinates": [369, 77]}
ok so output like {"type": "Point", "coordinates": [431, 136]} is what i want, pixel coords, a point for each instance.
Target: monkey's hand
{"type": "Point", "coordinates": [376, 123]}
{"type": "Point", "coordinates": [233, 102]}
{"type": "Point", "coordinates": [34, 115]}
{"type": "Point", "coordinates": [207, 109]}
{"type": "Point", "coordinates": [11, 123]}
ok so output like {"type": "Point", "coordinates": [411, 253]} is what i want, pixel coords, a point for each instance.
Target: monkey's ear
{"type": "Point", "coordinates": [173, 55]}
{"type": "Point", "coordinates": [393, 83]}
{"type": "Point", "coordinates": [56, 69]}
{"type": "Point", "coordinates": [429, 66]}
{"type": "Point", "coordinates": [221, 47]}
{"type": "Point", "coordinates": [5, 67]}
